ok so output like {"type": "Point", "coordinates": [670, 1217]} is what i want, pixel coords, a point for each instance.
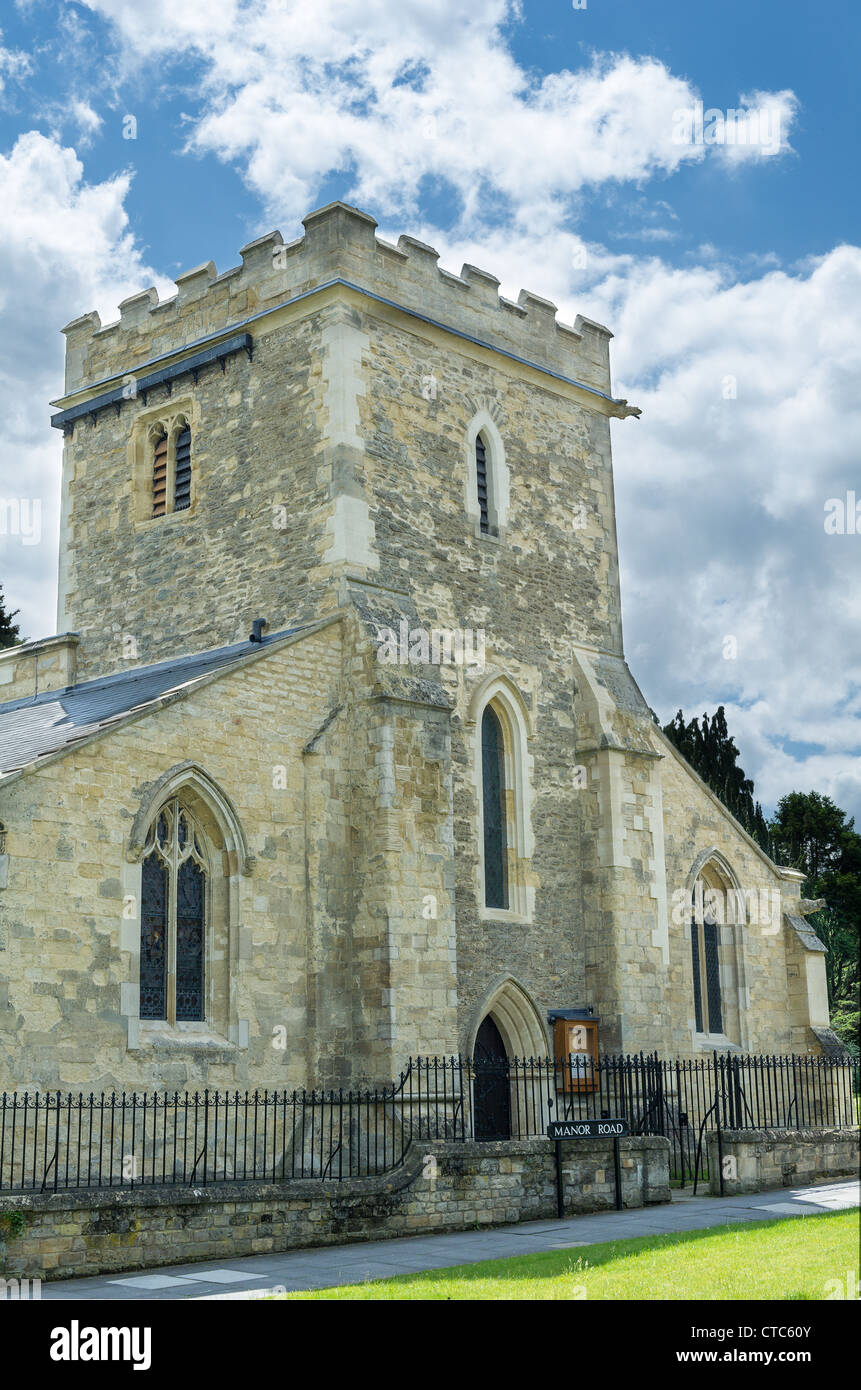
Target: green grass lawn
{"type": "Point", "coordinates": [787, 1259]}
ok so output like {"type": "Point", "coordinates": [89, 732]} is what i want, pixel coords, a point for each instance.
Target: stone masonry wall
{"type": "Point", "coordinates": [441, 1187]}
{"type": "Point", "coordinates": [756, 1160]}
{"type": "Point", "coordinates": [68, 974]}
{"type": "Point", "coordinates": [753, 952]}
{"type": "Point", "coordinates": [382, 971]}
{"type": "Point", "coordinates": [542, 583]}
{"type": "Point", "coordinates": [323, 968]}
{"type": "Point", "coordinates": [248, 543]}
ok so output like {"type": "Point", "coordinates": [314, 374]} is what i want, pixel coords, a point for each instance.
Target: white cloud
{"type": "Point", "coordinates": [721, 503]}
{"type": "Point", "coordinates": [66, 249]}
{"type": "Point", "coordinates": [720, 497]}
{"type": "Point", "coordinates": [391, 97]}
{"type": "Point", "coordinates": [87, 121]}
{"type": "Point", "coordinates": [73, 115]}
{"type": "Point", "coordinates": [13, 64]}
{"type": "Point", "coordinates": [761, 128]}
{"type": "Point", "coordinates": [756, 129]}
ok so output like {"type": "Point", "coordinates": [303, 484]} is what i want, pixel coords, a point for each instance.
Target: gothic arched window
{"type": "Point", "coordinates": [173, 918]}
{"type": "Point", "coordinates": [493, 805]}
{"type": "Point", "coordinates": [169, 455]}
{"type": "Point", "coordinates": [705, 961]}
{"type": "Point", "coordinates": [487, 476]}
{"type": "Point", "coordinates": [502, 768]}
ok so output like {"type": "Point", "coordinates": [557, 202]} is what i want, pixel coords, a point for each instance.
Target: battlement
{"type": "Point", "coordinates": [340, 245]}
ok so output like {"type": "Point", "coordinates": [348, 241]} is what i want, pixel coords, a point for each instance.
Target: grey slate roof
{"type": "Point", "coordinates": [31, 729]}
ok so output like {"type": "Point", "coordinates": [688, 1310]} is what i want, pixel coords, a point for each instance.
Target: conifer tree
{"type": "Point", "coordinates": [711, 751]}
{"type": "Point", "coordinates": [10, 633]}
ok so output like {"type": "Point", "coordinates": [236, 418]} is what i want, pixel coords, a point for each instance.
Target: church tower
{"type": "Point", "coordinates": [341, 423]}
{"type": "Point", "coordinates": [315, 416]}
{"type": "Point", "coordinates": [431, 808]}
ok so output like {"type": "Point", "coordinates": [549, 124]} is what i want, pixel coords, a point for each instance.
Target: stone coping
{"type": "Point", "coordinates": [788, 1136]}
{"type": "Point", "coordinates": [306, 1189]}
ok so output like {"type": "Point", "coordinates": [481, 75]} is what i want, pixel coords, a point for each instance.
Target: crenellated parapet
{"type": "Point", "coordinates": [330, 393]}
{"type": "Point", "coordinates": [340, 246]}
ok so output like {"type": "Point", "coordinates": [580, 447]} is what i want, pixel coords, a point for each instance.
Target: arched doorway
{"type": "Point", "coordinates": [492, 1089]}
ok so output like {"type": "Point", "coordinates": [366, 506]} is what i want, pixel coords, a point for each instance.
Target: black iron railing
{"type": "Point", "coordinates": [57, 1142]}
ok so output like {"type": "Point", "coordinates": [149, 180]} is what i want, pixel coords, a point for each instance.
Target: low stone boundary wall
{"type": "Point", "coordinates": [440, 1187]}
{"type": "Point", "coordinates": [757, 1159]}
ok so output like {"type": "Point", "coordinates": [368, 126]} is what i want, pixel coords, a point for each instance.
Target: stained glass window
{"type": "Point", "coordinates": [705, 963]}
{"type": "Point", "coordinates": [153, 938]}
{"type": "Point", "coordinates": [189, 941]}
{"type": "Point", "coordinates": [173, 919]}
{"type": "Point", "coordinates": [493, 784]}
{"type": "Point", "coordinates": [695, 963]}
{"type": "Point", "coordinates": [710, 943]}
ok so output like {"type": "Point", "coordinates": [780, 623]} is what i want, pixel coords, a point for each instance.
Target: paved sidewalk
{"type": "Point", "coordinates": [253, 1276]}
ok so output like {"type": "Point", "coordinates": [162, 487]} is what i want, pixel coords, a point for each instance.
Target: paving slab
{"type": "Point", "coordinates": [254, 1276]}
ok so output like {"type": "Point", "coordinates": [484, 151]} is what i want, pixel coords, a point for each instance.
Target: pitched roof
{"type": "Point", "coordinates": [36, 728]}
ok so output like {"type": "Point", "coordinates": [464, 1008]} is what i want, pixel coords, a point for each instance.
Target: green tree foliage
{"type": "Point", "coordinates": [808, 832]}
{"type": "Point", "coordinates": [711, 751]}
{"type": "Point", "coordinates": [812, 834]}
{"type": "Point", "coordinates": [9, 630]}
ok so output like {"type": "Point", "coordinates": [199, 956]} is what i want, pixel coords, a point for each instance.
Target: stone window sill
{"type": "Point", "coordinates": [167, 518]}
{"type": "Point", "coordinates": [514, 919]}
{"type": "Point", "coordinates": [714, 1042]}
{"type": "Point", "coordinates": [162, 1038]}
{"type": "Point", "coordinates": [491, 537]}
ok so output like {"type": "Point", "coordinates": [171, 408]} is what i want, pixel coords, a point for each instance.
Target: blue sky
{"type": "Point", "coordinates": [802, 206]}
{"type": "Point", "coordinates": [536, 141]}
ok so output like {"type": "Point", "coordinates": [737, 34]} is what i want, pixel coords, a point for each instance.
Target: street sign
{"type": "Point", "coordinates": [587, 1129]}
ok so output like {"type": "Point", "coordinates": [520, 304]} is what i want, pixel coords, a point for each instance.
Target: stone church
{"type": "Point", "coordinates": [336, 758]}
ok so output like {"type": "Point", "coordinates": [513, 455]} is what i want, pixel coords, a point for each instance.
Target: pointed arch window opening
{"type": "Point", "coordinates": [173, 919]}
{"type": "Point", "coordinates": [493, 806]}
{"type": "Point", "coordinates": [169, 452]}
{"type": "Point", "coordinates": [487, 477]}
{"type": "Point", "coordinates": [705, 966]}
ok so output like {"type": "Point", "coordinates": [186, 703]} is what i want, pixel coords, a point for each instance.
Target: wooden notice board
{"type": "Point", "coordinates": [575, 1043]}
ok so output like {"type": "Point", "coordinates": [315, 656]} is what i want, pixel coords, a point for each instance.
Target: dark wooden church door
{"type": "Point", "coordinates": [492, 1090]}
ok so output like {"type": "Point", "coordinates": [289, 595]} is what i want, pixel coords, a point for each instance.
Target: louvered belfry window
{"type": "Point", "coordinates": [173, 919]}
{"type": "Point", "coordinates": [481, 484]}
{"type": "Point", "coordinates": [159, 476]}
{"type": "Point", "coordinates": [171, 466]}
{"type": "Point", "coordinates": [493, 806]}
{"type": "Point", "coordinates": [182, 489]}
